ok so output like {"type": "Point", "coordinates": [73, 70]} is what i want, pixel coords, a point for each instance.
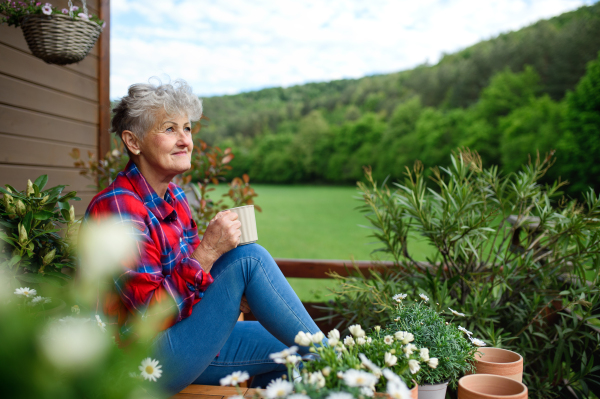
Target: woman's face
{"type": "Point", "coordinates": [168, 147]}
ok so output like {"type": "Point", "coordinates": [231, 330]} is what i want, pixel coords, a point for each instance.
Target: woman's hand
{"type": "Point", "coordinates": [221, 236]}
{"type": "Point", "coordinates": [244, 307]}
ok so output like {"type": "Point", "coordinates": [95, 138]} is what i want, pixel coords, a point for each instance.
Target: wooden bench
{"type": "Point", "coordinates": [211, 392]}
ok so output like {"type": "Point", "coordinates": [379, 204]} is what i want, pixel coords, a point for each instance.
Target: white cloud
{"type": "Point", "coordinates": [239, 45]}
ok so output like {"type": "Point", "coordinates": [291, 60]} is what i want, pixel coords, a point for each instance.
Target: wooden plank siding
{"type": "Point", "coordinates": [47, 110]}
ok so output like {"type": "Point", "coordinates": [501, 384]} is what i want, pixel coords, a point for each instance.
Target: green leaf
{"type": "Point", "coordinates": [43, 215]}
{"type": "Point", "coordinates": [27, 221]}
{"type": "Point", "coordinates": [63, 205]}
{"type": "Point", "coordinates": [59, 275]}
{"type": "Point", "coordinates": [41, 181]}
{"type": "Point", "coordinates": [65, 213]}
{"type": "Point", "coordinates": [14, 260]}
{"type": "Point", "coordinates": [6, 238]}
{"type": "Point", "coordinates": [16, 195]}
{"type": "Point", "coordinates": [31, 278]}
{"type": "Point", "coordinates": [68, 196]}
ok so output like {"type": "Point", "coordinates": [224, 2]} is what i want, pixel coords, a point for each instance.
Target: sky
{"type": "Point", "coordinates": [232, 46]}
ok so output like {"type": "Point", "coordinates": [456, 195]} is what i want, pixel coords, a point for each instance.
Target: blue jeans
{"type": "Point", "coordinates": [188, 350]}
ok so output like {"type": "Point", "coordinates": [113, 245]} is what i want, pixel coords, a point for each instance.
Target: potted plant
{"type": "Point", "coordinates": [57, 36]}
{"type": "Point", "coordinates": [453, 347]}
{"type": "Point", "coordinates": [380, 359]}
{"type": "Point", "coordinates": [30, 222]}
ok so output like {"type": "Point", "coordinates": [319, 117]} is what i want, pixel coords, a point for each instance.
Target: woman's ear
{"type": "Point", "coordinates": [131, 141]}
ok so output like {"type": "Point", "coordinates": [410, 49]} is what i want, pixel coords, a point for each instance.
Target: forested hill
{"type": "Point", "coordinates": [505, 97]}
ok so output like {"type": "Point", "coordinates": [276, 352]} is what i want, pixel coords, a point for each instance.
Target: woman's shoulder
{"type": "Point", "coordinates": [118, 198]}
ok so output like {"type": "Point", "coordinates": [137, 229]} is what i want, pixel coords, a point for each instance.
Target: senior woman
{"type": "Point", "coordinates": [205, 282]}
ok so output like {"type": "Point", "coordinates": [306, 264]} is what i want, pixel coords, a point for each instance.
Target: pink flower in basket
{"type": "Point", "coordinates": [47, 9]}
{"type": "Point", "coordinates": [74, 8]}
{"type": "Point", "coordinates": [83, 16]}
{"type": "Point", "coordinates": [65, 11]}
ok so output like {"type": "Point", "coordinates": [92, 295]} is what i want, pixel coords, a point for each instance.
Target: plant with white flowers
{"type": "Point", "coordinates": [445, 349]}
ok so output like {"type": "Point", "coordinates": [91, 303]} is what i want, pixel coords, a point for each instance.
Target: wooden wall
{"type": "Point", "coordinates": [47, 110]}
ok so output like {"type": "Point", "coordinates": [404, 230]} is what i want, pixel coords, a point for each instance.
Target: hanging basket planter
{"type": "Point", "coordinates": [56, 36]}
{"type": "Point", "coordinates": [58, 39]}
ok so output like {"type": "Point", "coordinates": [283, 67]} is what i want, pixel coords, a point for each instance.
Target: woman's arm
{"type": "Point", "coordinates": [221, 236]}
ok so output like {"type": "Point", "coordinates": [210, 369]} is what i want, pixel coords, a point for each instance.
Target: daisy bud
{"type": "Point", "coordinates": [334, 334]}
{"type": "Point", "coordinates": [20, 206]}
{"type": "Point", "coordinates": [30, 189]}
{"type": "Point", "coordinates": [43, 201]}
{"type": "Point", "coordinates": [414, 366]}
{"type": "Point", "coordinates": [377, 328]}
{"type": "Point", "coordinates": [22, 234]}
{"type": "Point", "coordinates": [49, 257]}
{"type": "Point", "coordinates": [356, 330]}
{"type": "Point", "coordinates": [72, 213]}
{"type": "Point", "coordinates": [326, 371]}
{"type": "Point", "coordinates": [318, 337]}
{"type": "Point", "coordinates": [424, 353]}
{"type": "Point", "coordinates": [312, 349]}
{"type": "Point", "coordinates": [433, 362]}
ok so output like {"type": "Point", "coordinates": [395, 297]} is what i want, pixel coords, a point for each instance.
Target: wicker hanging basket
{"type": "Point", "coordinates": [59, 39]}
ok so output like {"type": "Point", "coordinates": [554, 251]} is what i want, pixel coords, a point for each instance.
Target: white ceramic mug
{"type": "Point", "coordinates": [248, 219]}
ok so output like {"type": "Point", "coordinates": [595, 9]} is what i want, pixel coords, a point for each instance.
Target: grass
{"type": "Point", "coordinates": [314, 222]}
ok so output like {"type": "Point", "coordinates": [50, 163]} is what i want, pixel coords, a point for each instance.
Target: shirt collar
{"type": "Point", "coordinates": [158, 206]}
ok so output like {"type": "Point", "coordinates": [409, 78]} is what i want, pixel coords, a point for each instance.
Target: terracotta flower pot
{"type": "Point", "coordinates": [488, 386]}
{"type": "Point", "coordinates": [433, 391]}
{"type": "Point", "coordinates": [499, 362]}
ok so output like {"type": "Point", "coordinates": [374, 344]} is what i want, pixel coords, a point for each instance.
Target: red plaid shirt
{"type": "Point", "coordinates": [166, 235]}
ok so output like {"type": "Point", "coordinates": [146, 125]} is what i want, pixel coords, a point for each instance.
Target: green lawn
{"type": "Point", "coordinates": [313, 222]}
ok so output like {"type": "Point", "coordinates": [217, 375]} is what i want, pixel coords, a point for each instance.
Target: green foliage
{"type": "Point", "coordinates": [510, 253]}
{"type": "Point", "coordinates": [33, 251]}
{"type": "Point", "coordinates": [503, 98]}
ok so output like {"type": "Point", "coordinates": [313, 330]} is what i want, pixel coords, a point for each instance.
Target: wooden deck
{"type": "Point", "coordinates": [211, 392]}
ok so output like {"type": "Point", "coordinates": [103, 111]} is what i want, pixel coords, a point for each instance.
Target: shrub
{"type": "Point", "coordinates": [515, 256]}
{"type": "Point", "coordinates": [30, 223]}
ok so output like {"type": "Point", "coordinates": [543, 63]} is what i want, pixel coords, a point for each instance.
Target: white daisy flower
{"type": "Point", "coordinates": [455, 313]}
{"type": "Point", "coordinates": [367, 391]}
{"type": "Point", "coordinates": [334, 334]}
{"type": "Point", "coordinates": [477, 342]}
{"type": "Point", "coordinates": [47, 9]}
{"type": "Point", "coordinates": [349, 341]}
{"type": "Point", "coordinates": [361, 341]}
{"type": "Point", "coordinates": [424, 297]}
{"type": "Point", "coordinates": [414, 366]}
{"type": "Point", "coordinates": [292, 359]}
{"type": "Point", "coordinates": [404, 337]}
{"type": "Point", "coordinates": [317, 379]}
{"type": "Point", "coordinates": [424, 353]}
{"type": "Point", "coordinates": [280, 357]}
{"type": "Point", "coordinates": [398, 390]}
{"type": "Point", "coordinates": [370, 365]}
{"type": "Point", "coordinates": [318, 337]}
{"type": "Point", "coordinates": [333, 342]}
{"type": "Point", "coordinates": [359, 378]}
{"type": "Point", "coordinates": [391, 376]}
{"type": "Point", "coordinates": [303, 339]}
{"type": "Point", "coordinates": [101, 325]}
{"type": "Point", "coordinates": [298, 396]}
{"type": "Point", "coordinates": [235, 378]}
{"type": "Point", "coordinates": [409, 349]}
{"type": "Point", "coordinates": [339, 395]}
{"type": "Point", "coordinates": [37, 300]}
{"type": "Point", "coordinates": [469, 333]}
{"type": "Point", "coordinates": [399, 297]}
{"type": "Point", "coordinates": [26, 292]}
{"type": "Point", "coordinates": [369, 340]}
{"type": "Point", "coordinates": [389, 359]}
{"type": "Point", "coordinates": [278, 389]}
{"type": "Point", "coordinates": [356, 330]}
{"type": "Point", "coordinates": [433, 362]}
{"type": "Point", "coordinates": [388, 340]}
{"type": "Point", "coordinates": [326, 371]}
{"type": "Point", "coordinates": [150, 369]}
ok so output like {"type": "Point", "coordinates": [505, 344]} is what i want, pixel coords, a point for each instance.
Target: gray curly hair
{"type": "Point", "coordinates": [138, 110]}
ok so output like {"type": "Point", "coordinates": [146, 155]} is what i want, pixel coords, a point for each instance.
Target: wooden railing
{"type": "Point", "coordinates": [318, 268]}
